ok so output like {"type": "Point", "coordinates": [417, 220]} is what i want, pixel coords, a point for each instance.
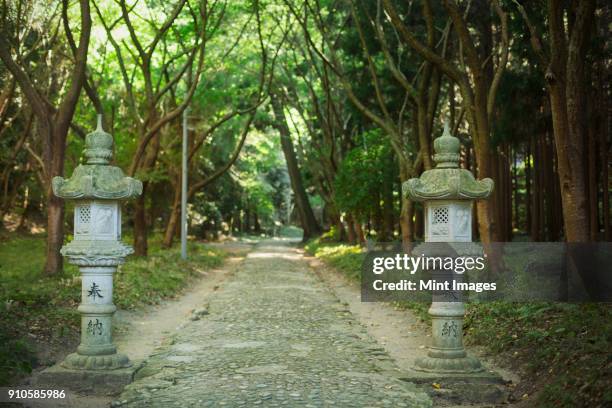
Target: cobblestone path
{"type": "Point", "coordinates": [274, 336]}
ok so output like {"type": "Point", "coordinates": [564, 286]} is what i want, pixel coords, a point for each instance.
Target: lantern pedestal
{"type": "Point", "coordinates": [96, 351]}
{"type": "Point", "coordinates": [97, 261]}
{"type": "Point", "coordinates": [91, 382]}
{"type": "Point", "coordinates": [447, 354]}
{"type": "Point", "coordinates": [95, 367]}
{"type": "Point", "coordinates": [482, 387]}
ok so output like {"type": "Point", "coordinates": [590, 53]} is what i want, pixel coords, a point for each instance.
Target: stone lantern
{"type": "Point", "coordinates": [97, 189]}
{"type": "Point", "coordinates": [448, 193]}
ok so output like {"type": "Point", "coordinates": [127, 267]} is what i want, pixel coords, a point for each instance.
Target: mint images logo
{"type": "Point", "coordinates": [432, 285]}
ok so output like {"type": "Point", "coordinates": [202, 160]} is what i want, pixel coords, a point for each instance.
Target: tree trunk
{"type": "Point", "coordinates": [175, 215]}
{"type": "Point", "coordinates": [565, 80]}
{"type": "Point", "coordinates": [53, 123]}
{"type": "Point", "coordinates": [236, 222]}
{"type": "Point", "coordinates": [359, 232]}
{"type": "Point", "coordinates": [140, 224]}
{"type": "Point", "coordinates": [503, 192]}
{"type": "Point", "coordinates": [486, 220]}
{"type": "Point", "coordinates": [592, 183]}
{"type": "Point", "coordinates": [350, 229]}
{"type": "Point", "coordinates": [247, 218]}
{"type": "Point", "coordinates": [605, 184]}
{"type": "Point", "coordinates": [336, 220]}
{"type": "Point", "coordinates": [508, 192]}
{"type": "Point", "coordinates": [406, 222]}
{"type": "Point", "coordinates": [528, 161]}
{"type": "Point", "coordinates": [55, 235]}
{"type": "Point", "coordinates": [307, 219]}
{"type": "Point", "coordinates": [547, 162]}
{"type": "Point", "coordinates": [171, 227]}
{"type": "Point", "coordinates": [388, 210]}
{"type": "Point", "coordinates": [558, 209]}
{"type": "Point", "coordinates": [536, 190]}
{"type": "Point", "coordinates": [515, 191]}
{"type": "Point", "coordinates": [470, 164]}
{"type": "Point", "coordinates": [571, 172]}
{"type": "Point", "coordinates": [342, 235]}
{"type": "Point", "coordinates": [256, 223]}
{"type": "Point", "coordinates": [24, 213]}
{"type": "Point", "coordinates": [141, 221]}
{"type": "Point", "coordinates": [377, 220]}
{"type": "Point", "coordinates": [419, 222]}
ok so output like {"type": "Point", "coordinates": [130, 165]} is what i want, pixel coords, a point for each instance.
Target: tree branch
{"type": "Point", "coordinates": [219, 172]}
{"type": "Point", "coordinates": [503, 60]}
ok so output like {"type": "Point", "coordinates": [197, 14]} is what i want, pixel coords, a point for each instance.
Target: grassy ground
{"type": "Point", "coordinates": [36, 310]}
{"type": "Point", "coordinates": [562, 351]}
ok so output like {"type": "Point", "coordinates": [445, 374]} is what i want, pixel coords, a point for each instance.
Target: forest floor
{"type": "Point", "coordinates": [561, 351]}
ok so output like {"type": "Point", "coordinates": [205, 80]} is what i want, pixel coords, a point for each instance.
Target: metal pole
{"type": "Point", "coordinates": [184, 190]}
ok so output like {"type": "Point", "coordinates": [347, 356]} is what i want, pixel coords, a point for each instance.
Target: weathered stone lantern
{"type": "Point", "coordinates": [448, 193]}
{"type": "Point", "coordinates": [97, 189]}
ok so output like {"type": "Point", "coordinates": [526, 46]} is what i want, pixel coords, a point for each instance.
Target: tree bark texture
{"type": "Point", "coordinates": [307, 219]}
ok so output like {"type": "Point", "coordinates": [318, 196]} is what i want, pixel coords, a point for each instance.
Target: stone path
{"type": "Point", "coordinates": [273, 335]}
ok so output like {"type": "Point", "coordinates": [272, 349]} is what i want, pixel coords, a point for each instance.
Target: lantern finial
{"type": "Point", "coordinates": [98, 145]}
{"type": "Point", "coordinates": [447, 149]}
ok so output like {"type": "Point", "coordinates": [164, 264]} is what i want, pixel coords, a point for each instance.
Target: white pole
{"type": "Point", "coordinates": [184, 191]}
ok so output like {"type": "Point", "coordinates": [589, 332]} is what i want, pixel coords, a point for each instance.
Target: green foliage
{"type": "Point", "coordinates": [362, 173]}
{"type": "Point", "coordinates": [333, 235]}
{"type": "Point", "coordinates": [571, 343]}
{"type": "Point", "coordinates": [16, 356]}
{"type": "Point", "coordinates": [229, 82]}
{"type": "Point", "coordinates": [291, 232]}
{"type": "Point", "coordinates": [345, 258]}
{"type": "Point", "coordinates": [261, 176]}
{"type": "Point", "coordinates": [205, 215]}
{"type": "Point", "coordinates": [162, 275]}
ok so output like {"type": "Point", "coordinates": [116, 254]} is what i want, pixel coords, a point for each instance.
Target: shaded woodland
{"type": "Point", "coordinates": [310, 112]}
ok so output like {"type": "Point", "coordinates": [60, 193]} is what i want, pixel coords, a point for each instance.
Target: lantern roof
{"type": "Point", "coordinates": [447, 181]}
{"type": "Point", "coordinates": [96, 179]}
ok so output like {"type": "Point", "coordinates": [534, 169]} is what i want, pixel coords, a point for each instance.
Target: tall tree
{"type": "Point", "coordinates": [52, 120]}
{"type": "Point", "coordinates": [161, 73]}
{"type": "Point", "coordinates": [307, 219]}
{"type": "Point", "coordinates": [329, 126]}
{"type": "Point", "coordinates": [564, 65]}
